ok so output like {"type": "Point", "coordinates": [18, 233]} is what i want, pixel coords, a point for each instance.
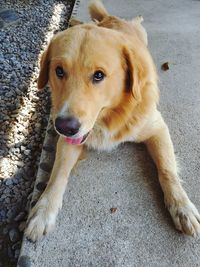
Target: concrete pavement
{"type": "Point", "coordinates": [140, 231]}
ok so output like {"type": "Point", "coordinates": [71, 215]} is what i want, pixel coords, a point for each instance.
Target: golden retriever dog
{"type": "Point", "coordinates": [104, 92]}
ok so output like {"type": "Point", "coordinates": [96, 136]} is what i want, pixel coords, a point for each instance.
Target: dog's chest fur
{"type": "Point", "coordinates": [103, 139]}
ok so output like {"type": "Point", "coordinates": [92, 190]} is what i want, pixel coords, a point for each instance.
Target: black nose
{"type": "Point", "coordinates": [67, 126]}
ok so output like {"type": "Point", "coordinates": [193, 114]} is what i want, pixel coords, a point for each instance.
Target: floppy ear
{"type": "Point", "coordinates": [133, 73]}
{"type": "Point", "coordinates": [44, 70]}
{"type": "Point", "coordinates": [97, 10]}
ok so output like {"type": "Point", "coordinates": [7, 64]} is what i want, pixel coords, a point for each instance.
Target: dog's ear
{"type": "Point", "coordinates": [44, 69]}
{"type": "Point", "coordinates": [133, 71]}
{"type": "Point", "coordinates": [97, 10]}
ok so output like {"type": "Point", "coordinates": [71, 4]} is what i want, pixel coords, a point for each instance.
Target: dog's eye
{"type": "Point", "coordinates": [60, 72]}
{"type": "Point", "coordinates": [98, 76]}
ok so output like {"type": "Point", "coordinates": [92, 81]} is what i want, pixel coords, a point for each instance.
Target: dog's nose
{"type": "Point", "coordinates": [67, 126]}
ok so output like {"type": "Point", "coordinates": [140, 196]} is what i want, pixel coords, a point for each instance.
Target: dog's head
{"type": "Point", "coordinates": [89, 70]}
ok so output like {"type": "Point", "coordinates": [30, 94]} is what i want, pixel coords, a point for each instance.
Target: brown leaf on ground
{"type": "Point", "coordinates": [113, 210]}
{"type": "Point", "coordinates": [165, 66]}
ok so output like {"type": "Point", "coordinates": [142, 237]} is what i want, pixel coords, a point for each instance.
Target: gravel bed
{"type": "Point", "coordinates": [25, 29]}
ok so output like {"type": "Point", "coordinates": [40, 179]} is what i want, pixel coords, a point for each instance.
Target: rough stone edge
{"type": "Point", "coordinates": [47, 157]}
{"type": "Point", "coordinates": [75, 8]}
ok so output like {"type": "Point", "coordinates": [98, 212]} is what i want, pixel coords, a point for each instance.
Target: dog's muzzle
{"type": "Point", "coordinates": [69, 127]}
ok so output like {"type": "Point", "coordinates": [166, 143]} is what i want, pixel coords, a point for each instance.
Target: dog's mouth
{"type": "Point", "coordinates": [76, 141]}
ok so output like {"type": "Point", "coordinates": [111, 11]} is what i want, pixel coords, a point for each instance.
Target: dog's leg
{"type": "Point", "coordinates": [182, 210]}
{"type": "Point", "coordinates": [42, 217]}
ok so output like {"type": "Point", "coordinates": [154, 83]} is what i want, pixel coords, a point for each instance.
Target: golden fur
{"type": "Point", "coordinates": [120, 108]}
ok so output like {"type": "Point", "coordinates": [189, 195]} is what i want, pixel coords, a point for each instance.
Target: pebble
{"type": "Point", "coordinates": [15, 181]}
{"type": "Point", "coordinates": [7, 200]}
{"type": "Point", "coordinates": [12, 107]}
{"type": "Point", "coordinates": [1, 24]}
{"type": "Point", "coordinates": [27, 152]}
{"type": "Point", "coordinates": [52, 132]}
{"type": "Point", "coordinates": [10, 252]}
{"type": "Point", "coordinates": [24, 261]}
{"type": "Point", "coordinates": [11, 213]}
{"type": "Point", "coordinates": [5, 230]}
{"type": "Point", "coordinates": [14, 235]}
{"type": "Point", "coordinates": [17, 252]}
{"type": "Point", "coordinates": [8, 182]}
{"type": "Point", "coordinates": [45, 167]}
{"type": "Point", "coordinates": [29, 173]}
{"type": "Point", "coordinates": [9, 15]}
{"type": "Point", "coordinates": [33, 203]}
{"type": "Point", "coordinates": [2, 213]}
{"type": "Point", "coordinates": [41, 186]}
{"type": "Point", "coordinates": [22, 148]}
{"type": "Point", "coordinates": [22, 226]}
{"type": "Point", "coordinates": [20, 216]}
{"type": "Point", "coordinates": [20, 164]}
{"type": "Point", "coordinates": [16, 245]}
{"type": "Point", "coordinates": [49, 148]}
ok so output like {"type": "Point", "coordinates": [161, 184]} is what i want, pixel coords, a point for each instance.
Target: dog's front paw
{"type": "Point", "coordinates": [41, 220]}
{"type": "Point", "coordinates": [186, 217]}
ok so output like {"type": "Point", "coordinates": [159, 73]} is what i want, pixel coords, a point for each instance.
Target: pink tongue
{"type": "Point", "coordinates": [73, 141]}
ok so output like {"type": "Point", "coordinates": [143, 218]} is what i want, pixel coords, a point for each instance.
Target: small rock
{"type": "Point", "coordinates": [52, 132]}
{"type": "Point", "coordinates": [27, 152]}
{"type": "Point", "coordinates": [24, 261]}
{"type": "Point", "coordinates": [22, 226]}
{"type": "Point", "coordinates": [14, 235]}
{"type": "Point", "coordinates": [41, 186]}
{"type": "Point", "coordinates": [16, 245]}
{"type": "Point", "coordinates": [20, 175]}
{"type": "Point", "coordinates": [7, 200]}
{"type": "Point", "coordinates": [11, 213]}
{"type": "Point", "coordinates": [20, 216]}
{"type": "Point", "coordinates": [15, 181]}
{"type": "Point", "coordinates": [8, 181]}
{"type": "Point", "coordinates": [12, 107]}
{"type": "Point", "coordinates": [30, 196]}
{"type": "Point", "coordinates": [45, 167]}
{"type": "Point", "coordinates": [2, 213]}
{"type": "Point", "coordinates": [33, 203]}
{"type": "Point", "coordinates": [49, 148]}
{"type": "Point", "coordinates": [44, 122]}
{"type": "Point", "coordinates": [5, 230]}
{"type": "Point", "coordinates": [20, 164]}
{"type": "Point", "coordinates": [9, 15]}
{"type": "Point", "coordinates": [34, 117]}
{"type": "Point", "coordinates": [1, 24]}
{"type": "Point", "coordinates": [29, 174]}
{"type": "Point", "coordinates": [17, 252]}
{"type": "Point", "coordinates": [22, 148]}
{"type": "Point", "coordinates": [10, 252]}
{"type": "Point", "coordinates": [38, 125]}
